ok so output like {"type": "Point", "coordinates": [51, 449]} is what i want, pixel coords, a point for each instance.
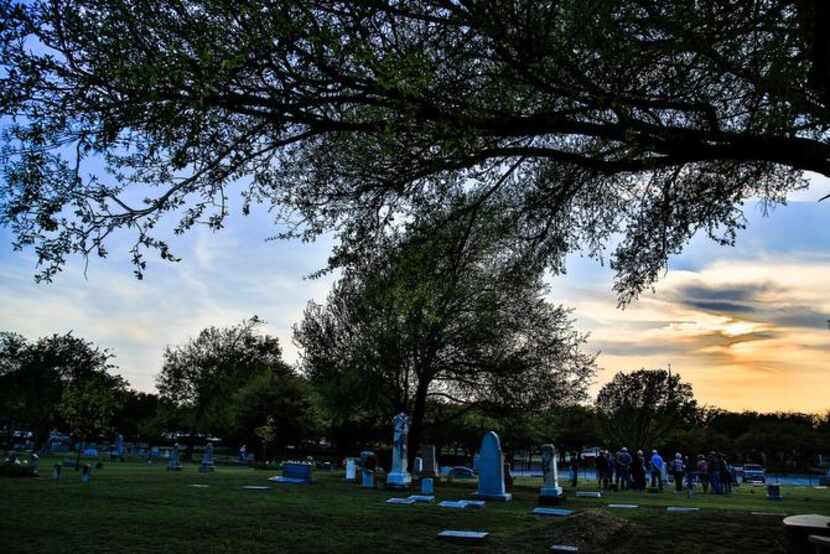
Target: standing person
{"type": "Point", "coordinates": [691, 473]}
{"type": "Point", "coordinates": [638, 472]}
{"type": "Point", "coordinates": [574, 468]}
{"type": "Point", "coordinates": [624, 468]}
{"type": "Point", "coordinates": [725, 475]}
{"type": "Point", "coordinates": [601, 465]}
{"type": "Point", "coordinates": [713, 464]}
{"type": "Point", "coordinates": [678, 471]}
{"type": "Point", "coordinates": [656, 466]}
{"type": "Point", "coordinates": [703, 472]}
{"type": "Point", "coordinates": [612, 468]}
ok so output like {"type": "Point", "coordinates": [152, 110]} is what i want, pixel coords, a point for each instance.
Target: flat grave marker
{"type": "Point", "coordinates": [623, 506]}
{"type": "Point", "coordinates": [681, 509]}
{"type": "Point", "coordinates": [463, 535]}
{"type": "Point", "coordinates": [551, 512]}
{"type": "Point", "coordinates": [564, 548]}
{"type": "Point", "coordinates": [422, 498]}
{"type": "Point", "coordinates": [589, 494]}
{"type": "Point", "coordinates": [256, 488]}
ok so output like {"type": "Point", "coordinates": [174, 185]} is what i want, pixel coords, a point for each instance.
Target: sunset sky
{"type": "Point", "coordinates": [747, 326]}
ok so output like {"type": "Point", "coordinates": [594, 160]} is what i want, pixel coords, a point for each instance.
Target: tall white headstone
{"type": "Point", "coordinates": [551, 492]}
{"type": "Point", "coordinates": [491, 470]}
{"type": "Point", "coordinates": [351, 469]}
{"type": "Point", "coordinates": [398, 476]}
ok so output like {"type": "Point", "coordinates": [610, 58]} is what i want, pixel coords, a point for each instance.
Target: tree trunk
{"type": "Point", "coordinates": [418, 413]}
{"type": "Point", "coordinates": [78, 455]}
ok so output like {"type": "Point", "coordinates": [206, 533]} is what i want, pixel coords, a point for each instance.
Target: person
{"type": "Point", "coordinates": [703, 472]}
{"type": "Point", "coordinates": [574, 468]}
{"type": "Point", "coordinates": [612, 468]}
{"type": "Point", "coordinates": [638, 472]}
{"type": "Point", "coordinates": [601, 465]}
{"type": "Point", "coordinates": [678, 471]}
{"type": "Point", "coordinates": [656, 466]}
{"type": "Point", "coordinates": [243, 453]}
{"type": "Point", "coordinates": [725, 475]}
{"type": "Point", "coordinates": [713, 465]}
{"type": "Point", "coordinates": [624, 468]}
{"type": "Point", "coordinates": [691, 473]}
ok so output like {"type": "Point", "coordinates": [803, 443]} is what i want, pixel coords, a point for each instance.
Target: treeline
{"type": "Point", "coordinates": [233, 384]}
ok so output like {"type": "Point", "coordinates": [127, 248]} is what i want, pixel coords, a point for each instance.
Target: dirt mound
{"type": "Point", "coordinates": [590, 531]}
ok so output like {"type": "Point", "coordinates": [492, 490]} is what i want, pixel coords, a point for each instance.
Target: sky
{"type": "Point", "coordinates": [746, 326]}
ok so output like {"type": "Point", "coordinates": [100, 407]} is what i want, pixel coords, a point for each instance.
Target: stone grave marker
{"type": "Point", "coordinates": [207, 459]}
{"type": "Point", "coordinates": [681, 509]}
{"type": "Point", "coordinates": [564, 548]}
{"type": "Point", "coordinates": [351, 469]}
{"type": "Point", "coordinates": [774, 492]}
{"type": "Point", "coordinates": [551, 512]}
{"type": "Point", "coordinates": [86, 473]}
{"type": "Point", "coordinates": [426, 485]}
{"type": "Point", "coordinates": [368, 463]}
{"type": "Point", "coordinates": [551, 492]}
{"type": "Point", "coordinates": [418, 465]}
{"type": "Point", "coordinates": [454, 504]}
{"type": "Point", "coordinates": [56, 472]}
{"type": "Point", "coordinates": [623, 506]}
{"type": "Point", "coordinates": [424, 499]}
{"type": "Point", "coordinates": [589, 494]}
{"type": "Point", "coordinates": [404, 501]}
{"type": "Point", "coordinates": [256, 488]}
{"type": "Point", "coordinates": [491, 484]}
{"type": "Point", "coordinates": [173, 463]}
{"type": "Point", "coordinates": [399, 477]}
{"type": "Point", "coordinates": [467, 536]}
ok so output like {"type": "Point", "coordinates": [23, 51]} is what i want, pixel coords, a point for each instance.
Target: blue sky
{"type": "Point", "coordinates": [746, 325]}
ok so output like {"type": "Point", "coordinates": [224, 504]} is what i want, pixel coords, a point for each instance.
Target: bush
{"type": "Point", "coordinates": [17, 470]}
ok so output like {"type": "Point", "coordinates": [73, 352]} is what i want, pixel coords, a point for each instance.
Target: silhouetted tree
{"type": "Point", "coordinates": [639, 408]}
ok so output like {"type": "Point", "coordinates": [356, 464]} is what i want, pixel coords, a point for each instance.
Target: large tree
{"type": "Point", "coordinates": [202, 375]}
{"type": "Point", "coordinates": [35, 375]}
{"type": "Point", "coordinates": [650, 118]}
{"type": "Point", "coordinates": [640, 408]}
{"type": "Point", "coordinates": [436, 315]}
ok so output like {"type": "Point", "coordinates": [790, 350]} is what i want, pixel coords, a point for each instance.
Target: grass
{"type": "Point", "coordinates": [143, 508]}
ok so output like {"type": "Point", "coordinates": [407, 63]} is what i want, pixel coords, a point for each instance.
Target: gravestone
{"type": "Point", "coordinates": [34, 462]}
{"type": "Point", "coordinates": [589, 494]}
{"type": "Point", "coordinates": [404, 501]}
{"type": "Point", "coordinates": [86, 473]}
{"type": "Point", "coordinates": [399, 477]}
{"type": "Point", "coordinates": [564, 548]}
{"type": "Point", "coordinates": [774, 492]}
{"type": "Point", "coordinates": [418, 465]}
{"type": "Point", "coordinates": [466, 536]}
{"type": "Point", "coordinates": [491, 484]}
{"type": "Point", "coordinates": [552, 512]}
{"type": "Point", "coordinates": [294, 473]}
{"type": "Point", "coordinates": [56, 472]}
{"type": "Point", "coordinates": [368, 463]}
{"type": "Point", "coordinates": [551, 492]}
{"type": "Point", "coordinates": [207, 459]}
{"type": "Point", "coordinates": [118, 453]}
{"type": "Point", "coordinates": [351, 469]}
{"type": "Point", "coordinates": [681, 509]}
{"type": "Point", "coordinates": [426, 499]}
{"type": "Point", "coordinates": [426, 485]}
{"type": "Point", "coordinates": [476, 462]}
{"type": "Point", "coordinates": [624, 506]}
{"type": "Point", "coordinates": [173, 463]}
{"type": "Point", "coordinates": [430, 468]}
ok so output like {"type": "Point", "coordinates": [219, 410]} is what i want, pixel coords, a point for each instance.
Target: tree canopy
{"type": "Point", "coordinates": [585, 119]}
{"type": "Point", "coordinates": [435, 315]}
{"type": "Point", "coordinates": [639, 408]}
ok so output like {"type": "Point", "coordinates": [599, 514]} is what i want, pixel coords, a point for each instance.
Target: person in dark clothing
{"type": "Point", "coordinates": [574, 468]}
{"type": "Point", "coordinates": [601, 465]}
{"type": "Point", "coordinates": [638, 472]}
{"type": "Point", "coordinates": [678, 470]}
{"type": "Point", "coordinates": [713, 464]}
{"type": "Point", "coordinates": [725, 475]}
{"type": "Point", "coordinates": [703, 472]}
{"type": "Point", "coordinates": [691, 473]}
{"type": "Point", "coordinates": [612, 468]}
{"type": "Point", "coordinates": [624, 468]}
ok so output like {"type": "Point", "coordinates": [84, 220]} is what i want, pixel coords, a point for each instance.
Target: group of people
{"type": "Point", "coordinates": [623, 471]}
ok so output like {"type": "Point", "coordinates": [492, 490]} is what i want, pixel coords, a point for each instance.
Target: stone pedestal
{"type": "Point", "coordinates": [399, 476]}
{"type": "Point", "coordinates": [368, 479]}
{"type": "Point", "coordinates": [551, 496]}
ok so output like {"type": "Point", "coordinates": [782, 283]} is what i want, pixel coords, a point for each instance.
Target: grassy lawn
{"type": "Point", "coordinates": [140, 508]}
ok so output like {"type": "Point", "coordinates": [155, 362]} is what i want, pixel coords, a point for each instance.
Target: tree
{"type": "Point", "coordinates": [639, 408]}
{"type": "Point", "coordinates": [276, 408]}
{"type": "Point", "coordinates": [34, 376]}
{"type": "Point", "coordinates": [647, 118]}
{"type": "Point", "coordinates": [436, 315]}
{"type": "Point", "coordinates": [89, 407]}
{"type": "Point", "coordinates": [201, 375]}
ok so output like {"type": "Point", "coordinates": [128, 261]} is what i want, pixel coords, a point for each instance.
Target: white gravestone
{"type": "Point", "coordinates": [491, 470]}
{"type": "Point", "coordinates": [173, 464]}
{"type": "Point", "coordinates": [399, 477]}
{"type": "Point", "coordinates": [418, 466]}
{"type": "Point", "coordinates": [430, 468]}
{"type": "Point", "coordinates": [351, 469]}
{"type": "Point", "coordinates": [426, 485]}
{"type": "Point", "coordinates": [551, 492]}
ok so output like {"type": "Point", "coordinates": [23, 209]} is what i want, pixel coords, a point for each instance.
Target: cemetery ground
{"type": "Point", "coordinates": [137, 507]}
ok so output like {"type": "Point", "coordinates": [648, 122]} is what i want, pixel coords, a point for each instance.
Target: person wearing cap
{"type": "Point", "coordinates": [624, 468]}
{"type": "Point", "coordinates": [678, 471]}
{"type": "Point", "coordinates": [656, 465]}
